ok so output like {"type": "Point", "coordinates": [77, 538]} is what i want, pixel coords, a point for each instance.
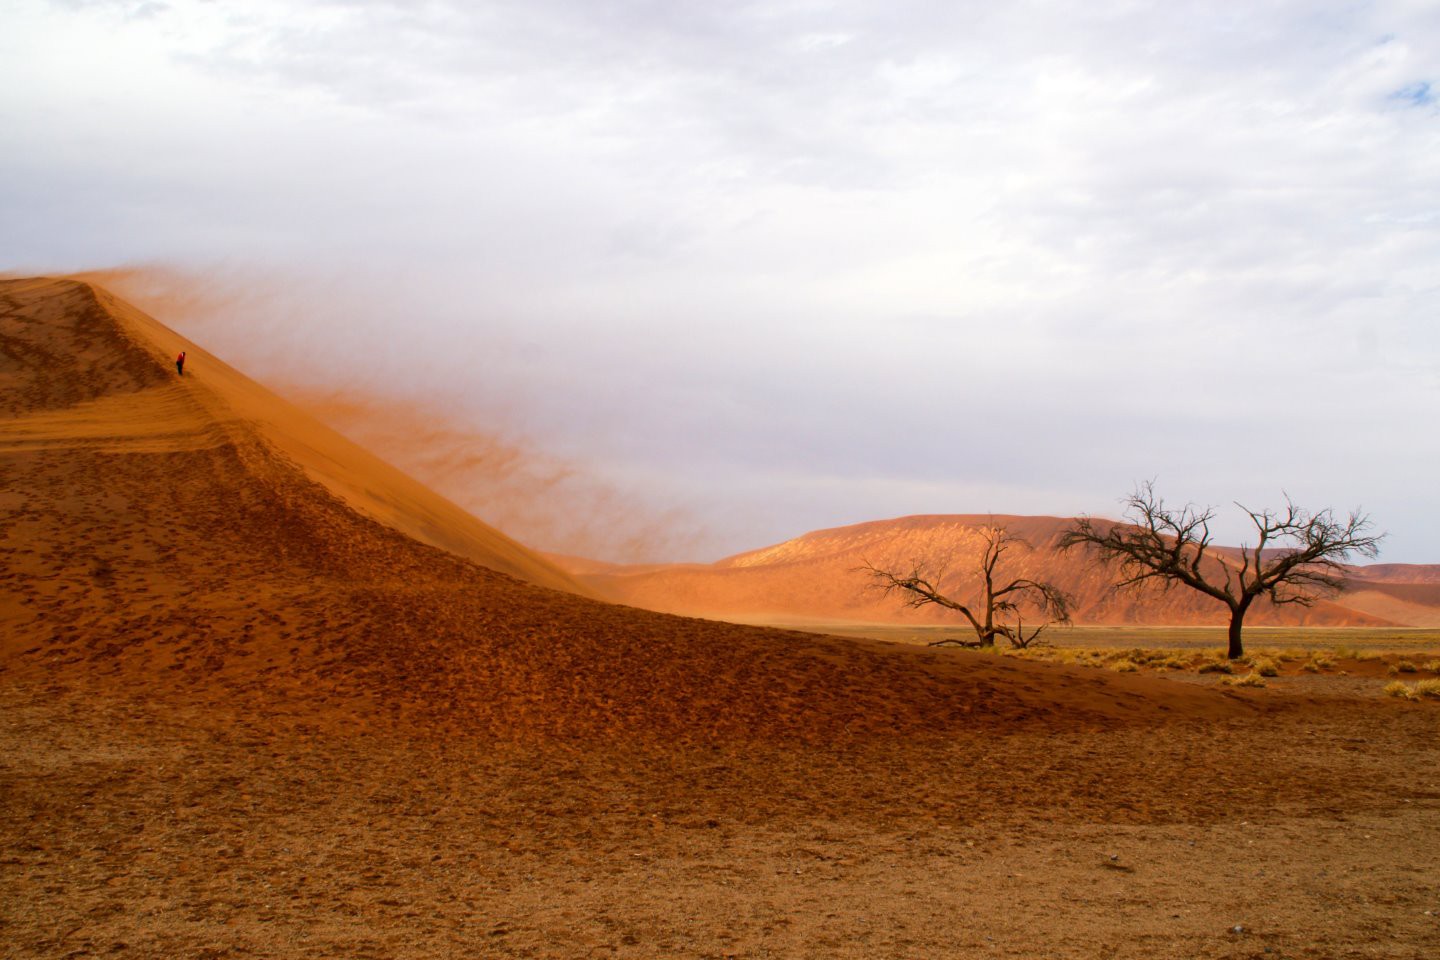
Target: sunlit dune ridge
{"type": "Point", "coordinates": [820, 576]}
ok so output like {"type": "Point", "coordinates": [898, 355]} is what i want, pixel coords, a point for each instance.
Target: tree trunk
{"type": "Point", "coordinates": [1237, 617]}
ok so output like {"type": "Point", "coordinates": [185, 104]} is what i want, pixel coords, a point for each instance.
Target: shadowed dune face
{"type": "Point", "coordinates": [818, 575]}
{"type": "Point", "coordinates": [196, 537]}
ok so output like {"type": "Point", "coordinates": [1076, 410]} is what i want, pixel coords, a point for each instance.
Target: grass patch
{"type": "Point", "coordinates": [1249, 680]}
{"type": "Point", "coordinates": [1216, 666]}
{"type": "Point", "coordinates": [1424, 689]}
{"type": "Point", "coordinates": [1266, 667]}
{"type": "Point", "coordinates": [1405, 666]}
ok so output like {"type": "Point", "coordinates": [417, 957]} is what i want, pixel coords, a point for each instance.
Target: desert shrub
{"type": "Point", "coordinates": [1173, 663]}
{"type": "Point", "coordinates": [1428, 688]}
{"type": "Point", "coordinates": [1249, 680]}
{"type": "Point", "coordinates": [1392, 671]}
{"type": "Point", "coordinates": [1310, 667]}
{"type": "Point", "coordinates": [1216, 666]}
{"type": "Point", "coordinates": [1322, 661]}
{"type": "Point", "coordinates": [1433, 666]}
{"type": "Point", "coordinates": [1397, 689]}
{"type": "Point", "coordinates": [1126, 666]}
{"type": "Point", "coordinates": [1266, 667]}
{"type": "Point", "coordinates": [1405, 666]}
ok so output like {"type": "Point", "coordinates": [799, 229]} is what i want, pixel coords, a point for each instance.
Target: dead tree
{"type": "Point", "coordinates": [997, 612]}
{"type": "Point", "coordinates": [1295, 559]}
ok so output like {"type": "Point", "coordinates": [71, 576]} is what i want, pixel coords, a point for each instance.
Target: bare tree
{"type": "Point", "coordinates": [998, 612]}
{"type": "Point", "coordinates": [1296, 557]}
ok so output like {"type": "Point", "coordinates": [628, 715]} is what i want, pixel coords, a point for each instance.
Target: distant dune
{"type": "Point", "coordinates": [197, 538]}
{"type": "Point", "coordinates": [816, 576]}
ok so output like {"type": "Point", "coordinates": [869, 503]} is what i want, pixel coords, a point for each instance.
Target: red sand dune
{"type": "Point", "coordinates": [817, 576]}
{"type": "Point", "coordinates": [199, 537]}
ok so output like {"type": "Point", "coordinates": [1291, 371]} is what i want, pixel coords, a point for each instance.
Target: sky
{"type": "Point", "coordinates": [719, 274]}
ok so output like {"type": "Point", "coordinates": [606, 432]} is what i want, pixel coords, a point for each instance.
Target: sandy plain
{"type": "Point", "coordinates": [251, 705]}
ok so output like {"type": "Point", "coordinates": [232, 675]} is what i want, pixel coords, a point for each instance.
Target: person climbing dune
{"type": "Point", "coordinates": [180, 364]}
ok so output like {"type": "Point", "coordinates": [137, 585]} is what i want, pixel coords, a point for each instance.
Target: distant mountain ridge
{"type": "Point", "coordinates": [816, 575]}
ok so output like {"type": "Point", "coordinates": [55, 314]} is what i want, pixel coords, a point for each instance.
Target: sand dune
{"type": "Point", "coordinates": [97, 348]}
{"type": "Point", "coordinates": [199, 533]}
{"type": "Point", "coordinates": [817, 577]}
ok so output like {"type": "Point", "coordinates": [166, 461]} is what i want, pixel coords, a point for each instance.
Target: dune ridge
{"type": "Point", "coordinates": [216, 401]}
{"type": "Point", "coordinates": [818, 576]}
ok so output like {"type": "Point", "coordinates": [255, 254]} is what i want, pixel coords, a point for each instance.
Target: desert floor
{"type": "Point", "coordinates": [136, 829]}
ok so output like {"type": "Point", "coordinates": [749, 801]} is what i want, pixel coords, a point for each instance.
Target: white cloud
{"type": "Point", "coordinates": [1024, 247]}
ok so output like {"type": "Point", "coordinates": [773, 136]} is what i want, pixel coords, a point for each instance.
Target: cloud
{"type": "Point", "coordinates": [1037, 247]}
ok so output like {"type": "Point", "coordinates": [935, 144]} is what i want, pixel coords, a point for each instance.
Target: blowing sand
{"type": "Point", "coordinates": [246, 710]}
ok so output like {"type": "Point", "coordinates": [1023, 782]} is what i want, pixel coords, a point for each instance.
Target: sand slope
{"type": "Point", "coordinates": [91, 370]}
{"type": "Point", "coordinates": [817, 576]}
{"type": "Point", "coordinates": [198, 538]}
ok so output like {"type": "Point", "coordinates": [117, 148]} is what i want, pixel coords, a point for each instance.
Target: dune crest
{"type": "Point", "coordinates": [818, 576]}
{"type": "Point", "coordinates": [150, 408]}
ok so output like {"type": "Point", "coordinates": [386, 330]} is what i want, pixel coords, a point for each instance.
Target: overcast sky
{"type": "Point", "coordinates": [760, 268]}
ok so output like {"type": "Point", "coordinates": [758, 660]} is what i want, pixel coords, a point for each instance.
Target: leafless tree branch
{"type": "Point", "coordinates": [1296, 557]}
{"type": "Point", "coordinates": [1000, 598]}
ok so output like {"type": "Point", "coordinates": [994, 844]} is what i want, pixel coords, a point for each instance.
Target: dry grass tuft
{"type": "Point", "coordinates": [1126, 666]}
{"type": "Point", "coordinates": [1249, 680]}
{"type": "Point", "coordinates": [1424, 689]}
{"type": "Point", "coordinates": [1405, 666]}
{"type": "Point", "coordinates": [1216, 666]}
{"type": "Point", "coordinates": [1266, 667]}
